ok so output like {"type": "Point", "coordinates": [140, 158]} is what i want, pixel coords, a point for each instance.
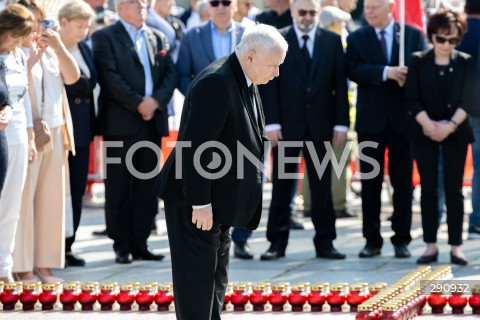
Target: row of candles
{"type": "Point", "coordinates": [406, 299]}
{"type": "Point", "coordinates": [87, 294]}
{"type": "Point", "coordinates": [403, 300]}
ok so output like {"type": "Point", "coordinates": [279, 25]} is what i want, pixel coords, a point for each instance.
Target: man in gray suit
{"type": "Point", "coordinates": [200, 47]}
{"type": "Point", "coordinates": [208, 42]}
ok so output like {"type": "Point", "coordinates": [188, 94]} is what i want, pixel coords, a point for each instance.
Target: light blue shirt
{"type": "Point", "coordinates": [222, 42]}
{"type": "Point", "coordinates": [389, 34]}
{"type": "Point", "coordinates": [138, 39]}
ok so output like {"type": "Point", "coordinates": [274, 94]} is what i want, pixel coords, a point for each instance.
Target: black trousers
{"type": "Point", "coordinates": [322, 213]}
{"type": "Point", "coordinates": [199, 264]}
{"type": "Point", "coordinates": [400, 172]}
{"type": "Point", "coordinates": [454, 156]}
{"type": "Point", "coordinates": [130, 205]}
{"type": "Point", "coordinates": [78, 166]}
{"type": "Point", "coordinates": [3, 158]}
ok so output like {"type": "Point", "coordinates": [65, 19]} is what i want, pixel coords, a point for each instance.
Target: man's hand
{"type": "Point", "coordinates": [203, 218]}
{"type": "Point", "coordinates": [147, 108]}
{"type": "Point", "coordinates": [339, 138]}
{"type": "Point", "coordinates": [5, 117]}
{"type": "Point", "coordinates": [274, 136]}
{"type": "Point", "coordinates": [398, 74]}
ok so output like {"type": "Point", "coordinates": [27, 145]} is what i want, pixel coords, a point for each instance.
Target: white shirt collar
{"type": "Point", "coordinates": [300, 34]}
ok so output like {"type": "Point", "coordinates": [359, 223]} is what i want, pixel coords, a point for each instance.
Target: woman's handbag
{"type": "Point", "coordinates": [42, 132]}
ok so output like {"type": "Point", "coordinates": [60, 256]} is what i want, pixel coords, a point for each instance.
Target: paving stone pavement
{"type": "Point", "coordinates": [299, 265]}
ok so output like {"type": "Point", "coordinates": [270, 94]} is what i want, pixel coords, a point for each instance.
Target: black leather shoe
{"type": "Point", "coordinates": [330, 253]}
{"type": "Point", "coordinates": [370, 251]}
{"type": "Point", "coordinates": [294, 224]}
{"type": "Point", "coordinates": [122, 257]}
{"type": "Point", "coordinates": [457, 260]}
{"type": "Point", "coordinates": [341, 214]}
{"type": "Point", "coordinates": [146, 254]}
{"type": "Point", "coordinates": [100, 233]}
{"type": "Point", "coordinates": [242, 251]}
{"type": "Point", "coordinates": [273, 254]}
{"type": "Point", "coordinates": [72, 260]}
{"type": "Point", "coordinates": [428, 259]}
{"type": "Point", "coordinates": [401, 251]}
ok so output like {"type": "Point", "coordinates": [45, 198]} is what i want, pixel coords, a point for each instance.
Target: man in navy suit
{"type": "Point", "coordinates": [208, 42]}
{"type": "Point", "coordinates": [307, 103]}
{"type": "Point", "coordinates": [373, 63]}
{"type": "Point", "coordinates": [137, 77]}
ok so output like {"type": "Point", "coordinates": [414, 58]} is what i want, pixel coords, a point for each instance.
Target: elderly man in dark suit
{"type": "Point", "coordinates": [221, 107]}
{"type": "Point", "coordinates": [137, 78]}
{"type": "Point", "coordinates": [200, 47]}
{"type": "Point", "coordinates": [373, 63]}
{"type": "Point", "coordinates": [306, 103]}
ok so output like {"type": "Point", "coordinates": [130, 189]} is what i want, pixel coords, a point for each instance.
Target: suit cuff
{"type": "Point", "coordinates": [201, 207]}
{"type": "Point", "coordinates": [272, 127]}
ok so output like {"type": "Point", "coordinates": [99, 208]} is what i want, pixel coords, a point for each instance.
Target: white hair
{"type": "Point", "coordinates": [316, 2]}
{"type": "Point", "coordinates": [261, 35]}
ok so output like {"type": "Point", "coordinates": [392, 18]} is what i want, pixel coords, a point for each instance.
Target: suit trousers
{"type": "Point", "coordinates": [199, 264]}
{"type": "Point", "coordinates": [454, 156]}
{"type": "Point", "coordinates": [40, 238]}
{"type": "Point", "coordinates": [10, 202]}
{"type": "Point", "coordinates": [78, 168]}
{"type": "Point", "coordinates": [339, 182]}
{"type": "Point", "coordinates": [322, 213]}
{"type": "Point", "coordinates": [400, 165]}
{"type": "Point", "coordinates": [474, 219]}
{"type": "Point", "coordinates": [130, 205]}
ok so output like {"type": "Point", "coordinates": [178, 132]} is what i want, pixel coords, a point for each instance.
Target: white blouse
{"type": "Point", "coordinates": [48, 69]}
{"type": "Point", "coordinates": [17, 83]}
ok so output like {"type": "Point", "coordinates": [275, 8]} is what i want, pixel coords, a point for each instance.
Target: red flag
{"type": "Point", "coordinates": [413, 13]}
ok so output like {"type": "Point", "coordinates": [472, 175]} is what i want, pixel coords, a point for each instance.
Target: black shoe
{"type": "Point", "coordinates": [401, 251]}
{"type": "Point", "coordinates": [242, 251]}
{"type": "Point", "coordinates": [273, 254]}
{"type": "Point", "coordinates": [72, 260]}
{"type": "Point", "coordinates": [330, 253]}
{"type": "Point", "coordinates": [370, 251]}
{"type": "Point", "coordinates": [428, 259]}
{"type": "Point", "coordinates": [146, 254]}
{"type": "Point", "coordinates": [457, 260]}
{"type": "Point", "coordinates": [344, 214]}
{"type": "Point", "coordinates": [100, 233]}
{"type": "Point", "coordinates": [122, 257]}
{"type": "Point", "coordinates": [294, 224]}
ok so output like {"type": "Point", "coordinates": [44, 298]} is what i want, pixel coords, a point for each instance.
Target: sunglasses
{"type": "Point", "coordinates": [216, 3]}
{"type": "Point", "coordinates": [452, 41]}
{"type": "Point", "coordinates": [303, 13]}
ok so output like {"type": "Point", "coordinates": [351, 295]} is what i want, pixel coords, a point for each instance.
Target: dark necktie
{"type": "Point", "coordinates": [305, 53]}
{"type": "Point", "coordinates": [383, 44]}
{"type": "Point", "coordinates": [251, 92]}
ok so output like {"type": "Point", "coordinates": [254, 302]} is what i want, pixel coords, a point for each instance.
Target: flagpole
{"type": "Point", "coordinates": [402, 34]}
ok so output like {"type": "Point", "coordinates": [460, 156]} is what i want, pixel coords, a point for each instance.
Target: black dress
{"type": "Point", "coordinates": [3, 138]}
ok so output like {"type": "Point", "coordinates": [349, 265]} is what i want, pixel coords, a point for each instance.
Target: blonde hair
{"type": "Point", "coordinates": [76, 10]}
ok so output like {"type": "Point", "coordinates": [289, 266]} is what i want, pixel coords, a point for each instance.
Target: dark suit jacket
{"type": "Point", "coordinates": [379, 103]}
{"type": "Point", "coordinates": [421, 92]}
{"type": "Point", "coordinates": [80, 100]}
{"type": "Point", "coordinates": [121, 77]}
{"type": "Point", "coordinates": [312, 101]}
{"type": "Point", "coordinates": [196, 52]}
{"type": "Point", "coordinates": [218, 107]}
